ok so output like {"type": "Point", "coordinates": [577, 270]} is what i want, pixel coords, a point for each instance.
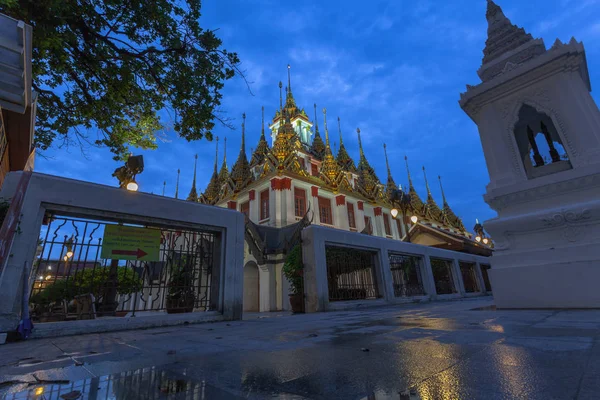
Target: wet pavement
{"type": "Point", "coordinates": [446, 350]}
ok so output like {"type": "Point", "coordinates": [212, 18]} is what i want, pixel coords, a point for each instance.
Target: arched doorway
{"type": "Point", "coordinates": [251, 287]}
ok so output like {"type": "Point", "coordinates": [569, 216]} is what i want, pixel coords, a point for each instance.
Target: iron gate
{"type": "Point", "coordinates": [469, 276]}
{"type": "Point", "coordinates": [442, 276]}
{"type": "Point", "coordinates": [406, 274]}
{"type": "Point", "coordinates": [350, 274]}
{"type": "Point", "coordinates": [73, 281]}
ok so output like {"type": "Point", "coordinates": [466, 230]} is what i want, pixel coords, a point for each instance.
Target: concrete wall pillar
{"type": "Point", "coordinates": [340, 212]}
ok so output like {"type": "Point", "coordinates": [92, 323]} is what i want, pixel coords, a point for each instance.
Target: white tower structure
{"type": "Point", "coordinates": [540, 131]}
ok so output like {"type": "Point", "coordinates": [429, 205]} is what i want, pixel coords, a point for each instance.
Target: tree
{"type": "Point", "coordinates": [112, 65]}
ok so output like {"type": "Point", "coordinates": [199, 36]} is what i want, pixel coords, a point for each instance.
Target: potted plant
{"type": "Point", "coordinates": [293, 269]}
{"type": "Point", "coordinates": [180, 296]}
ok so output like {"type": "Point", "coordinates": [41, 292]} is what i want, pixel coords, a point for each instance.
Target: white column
{"type": "Point", "coordinates": [315, 204]}
{"type": "Point", "coordinates": [268, 288]}
{"type": "Point", "coordinates": [289, 206]}
{"type": "Point", "coordinates": [428, 279]}
{"type": "Point", "coordinates": [340, 212]}
{"type": "Point", "coordinates": [254, 207]}
{"type": "Point", "coordinates": [460, 285]}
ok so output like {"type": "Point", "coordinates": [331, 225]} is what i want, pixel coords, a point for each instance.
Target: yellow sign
{"type": "Point", "coordinates": [131, 243]}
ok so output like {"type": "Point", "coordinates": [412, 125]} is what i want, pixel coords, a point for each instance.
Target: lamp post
{"type": "Point", "coordinates": [480, 234]}
{"type": "Point", "coordinates": [127, 173]}
{"type": "Point", "coordinates": [403, 200]}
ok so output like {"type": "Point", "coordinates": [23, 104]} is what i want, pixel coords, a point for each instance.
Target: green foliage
{"type": "Point", "coordinates": [112, 65]}
{"type": "Point", "coordinates": [88, 280]}
{"type": "Point", "coordinates": [293, 267]}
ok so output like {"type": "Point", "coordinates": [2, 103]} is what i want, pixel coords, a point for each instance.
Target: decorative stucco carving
{"type": "Point", "coordinates": [566, 217]}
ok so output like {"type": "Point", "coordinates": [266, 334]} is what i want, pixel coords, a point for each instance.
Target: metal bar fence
{"type": "Point", "coordinates": [406, 274]}
{"type": "Point", "coordinates": [350, 274]}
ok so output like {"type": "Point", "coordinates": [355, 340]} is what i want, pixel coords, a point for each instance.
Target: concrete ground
{"type": "Point", "coordinates": [446, 350]}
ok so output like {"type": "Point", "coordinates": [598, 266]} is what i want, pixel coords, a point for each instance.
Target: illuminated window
{"type": "Point", "coordinates": [264, 204]}
{"type": "Point", "coordinates": [245, 209]}
{"type": "Point", "coordinates": [299, 202]}
{"type": "Point", "coordinates": [325, 211]}
{"type": "Point", "coordinates": [351, 217]}
{"type": "Point", "coordinates": [386, 225]}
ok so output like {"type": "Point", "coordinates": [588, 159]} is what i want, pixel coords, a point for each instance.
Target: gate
{"type": "Point", "coordinates": [406, 275]}
{"type": "Point", "coordinates": [72, 281]}
{"type": "Point", "coordinates": [350, 274]}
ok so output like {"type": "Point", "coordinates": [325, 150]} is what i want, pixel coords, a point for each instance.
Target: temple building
{"type": "Point", "coordinates": [297, 180]}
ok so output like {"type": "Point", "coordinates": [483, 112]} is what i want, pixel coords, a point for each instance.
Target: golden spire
{"type": "Point", "coordinates": [210, 196]}
{"type": "Point", "coordinates": [193, 196]}
{"type": "Point", "coordinates": [368, 182]}
{"type": "Point", "coordinates": [224, 173]}
{"type": "Point", "coordinates": [262, 119]}
{"type": "Point", "coordinates": [280, 99]}
{"type": "Point", "coordinates": [432, 210]}
{"type": "Point", "coordinates": [415, 201]}
{"type": "Point", "coordinates": [262, 148]}
{"type": "Point", "coordinates": [317, 147]}
{"type": "Point", "coordinates": [343, 158]}
{"type": "Point", "coordinates": [164, 187]}
{"type": "Point", "coordinates": [448, 216]}
{"type": "Point", "coordinates": [391, 185]}
{"type": "Point", "coordinates": [240, 172]}
{"type": "Point", "coordinates": [177, 185]}
{"type": "Point", "coordinates": [330, 172]}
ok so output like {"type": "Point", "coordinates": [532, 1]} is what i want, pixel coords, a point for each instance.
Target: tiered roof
{"type": "Point", "coordinates": [343, 158]}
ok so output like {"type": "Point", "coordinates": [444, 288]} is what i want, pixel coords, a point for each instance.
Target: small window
{"type": "Point", "coordinates": [245, 209]}
{"type": "Point", "coordinates": [314, 170]}
{"type": "Point", "coordinates": [351, 217]}
{"type": "Point", "coordinates": [264, 204]}
{"type": "Point", "coordinates": [325, 211]}
{"type": "Point", "coordinates": [303, 163]}
{"type": "Point", "coordinates": [386, 225]}
{"type": "Point", "coordinates": [299, 202]}
{"type": "Point", "coordinates": [399, 227]}
{"type": "Point", "coordinates": [368, 225]}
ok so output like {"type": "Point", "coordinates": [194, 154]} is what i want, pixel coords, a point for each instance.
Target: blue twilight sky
{"type": "Point", "coordinates": [394, 68]}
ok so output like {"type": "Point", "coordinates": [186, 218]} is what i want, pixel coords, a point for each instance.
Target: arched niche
{"type": "Point", "coordinates": [540, 146]}
{"type": "Point", "coordinates": [251, 299]}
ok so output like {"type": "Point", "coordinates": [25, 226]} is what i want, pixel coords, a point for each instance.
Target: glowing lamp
{"type": "Point", "coordinates": [485, 240]}
{"type": "Point", "coordinates": [69, 254]}
{"type": "Point", "coordinates": [478, 238]}
{"type": "Point", "coordinates": [49, 277]}
{"type": "Point", "coordinates": [394, 212]}
{"type": "Point", "coordinates": [414, 219]}
{"type": "Point", "coordinates": [132, 186]}
{"type": "Point", "coordinates": [50, 266]}
{"type": "Point", "coordinates": [65, 258]}
{"type": "Point", "coordinates": [41, 278]}
{"type": "Point", "coordinates": [39, 391]}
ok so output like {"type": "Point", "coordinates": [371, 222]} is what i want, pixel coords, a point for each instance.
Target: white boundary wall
{"type": "Point", "coordinates": [47, 192]}
{"type": "Point", "coordinates": [316, 238]}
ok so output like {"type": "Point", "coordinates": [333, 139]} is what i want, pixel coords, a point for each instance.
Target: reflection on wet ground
{"type": "Point", "coordinates": [146, 383]}
{"type": "Point", "coordinates": [451, 350]}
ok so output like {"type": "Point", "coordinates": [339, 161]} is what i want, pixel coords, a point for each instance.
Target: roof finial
{"type": "Point", "coordinates": [340, 130]}
{"type": "Point", "coordinates": [193, 196]}
{"type": "Point", "coordinates": [289, 80]}
{"type": "Point", "coordinates": [177, 184]}
{"type": "Point", "coordinates": [280, 98]}
{"type": "Point", "coordinates": [410, 184]}
{"type": "Point", "coordinates": [387, 164]}
{"type": "Point", "coordinates": [243, 149]}
{"type": "Point", "coordinates": [225, 150]}
{"type": "Point", "coordinates": [362, 153]}
{"type": "Point", "coordinates": [441, 187]}
{"type": "Point", "coordinates": [426, 183]}
{"type": "Point", "coordinates": [326, 130]}
{"type": "Point", "coordinates": [164, 187]}
{"type": "Point", "coordinates": [262, 132]}
{"type": "Point", "coordinates": [217, 154]}
{"type": "Point", "coordinates": [316, 122]}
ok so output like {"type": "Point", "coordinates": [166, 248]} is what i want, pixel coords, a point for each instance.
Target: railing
{"type": "Point", "coordinates": [73, 281]}
{"type": "Point", "coordinates": [442, 276]}
{"type": "Point", "coordinates": [350, 274]}
{"type": "Point", "coordinates": [486, 279]}
{"type": "Point", "coordinates": [469, 276]}
{"type": "Point", "coordinates": [406, 275]}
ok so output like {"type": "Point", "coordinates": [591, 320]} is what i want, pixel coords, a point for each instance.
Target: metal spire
{"type": "Point", "coordinates": [164, 186]}
{"type": "Point", "coordinates": [177, 184]}
{"type": "Point", "coordinates": [243, 149]}
{"type": "Point", "coordinates": [326, 130]}
{"type": "Point", "coordinates": [387, 164]}
{"type": "Point", "coordinates": [217, 155]}
{"type": "Point", "coordinates": [340, 130]}
{"type": "Point", "coordinates": [316, 121]}
{"type": "Point", "coordinates": [441, 187]}
{"type": "Point", "coordinates": [362, 153]}
{"type": "Point", "coordinates": [410, 184]}
{"type": "Point", "coordinates": [225, 151]}
{"type": "Point", "coordinates": [280, 98]}
{"type": "Point", "coordinates": [262, 132]}
{"type": "Point", "coordinates": [426, 183]}
{"type": "Point", "coordinates": [289, 80]}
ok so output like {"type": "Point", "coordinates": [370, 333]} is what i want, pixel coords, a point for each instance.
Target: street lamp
{"type": "Point", "coordinates": [414, 219]}
{"type": "Point", "coordinates": [127, 173]}
{"type": "Point", "coordinates": [402, 198]}
{"type": "Point", "coordinates": [485, 240]}
{"type": "Point", "coordinates": [394, 212]}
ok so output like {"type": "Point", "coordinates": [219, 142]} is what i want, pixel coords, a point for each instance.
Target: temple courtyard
{"type": "Point", "coordinates": [443, 350]}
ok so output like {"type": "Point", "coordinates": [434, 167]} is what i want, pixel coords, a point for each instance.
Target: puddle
{"type": "Point", "coordinates": [381, 395]}
{"type": "Point", "coordinates": [147, 383]}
